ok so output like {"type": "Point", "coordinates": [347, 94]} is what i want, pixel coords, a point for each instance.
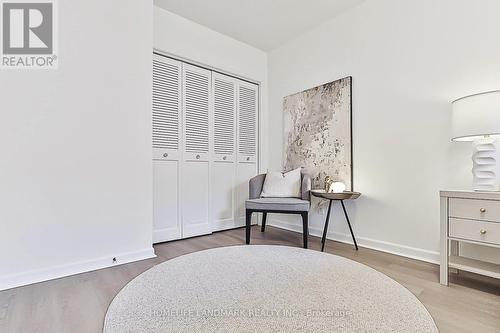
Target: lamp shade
{"type": "Point", "coordinates": [476, 116]}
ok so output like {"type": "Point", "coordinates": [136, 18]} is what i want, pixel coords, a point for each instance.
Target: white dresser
{"type": "Point", "coordinates": [470, 217]}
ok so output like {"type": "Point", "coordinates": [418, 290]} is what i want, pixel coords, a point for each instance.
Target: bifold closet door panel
{"type": "Point", "coordinates": [197, 86]}
{"type": "Point", "coordinates": [166, 222]}
{"type": "Point", "coordinates": [222, 194]}
{"type": "Point", "coordinates": [247, 122]}
{"type": "Point", "coordinates": [166, 115]}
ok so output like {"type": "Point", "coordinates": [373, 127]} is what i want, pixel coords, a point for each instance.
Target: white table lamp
{"type": "Point", "coordinates": [476, 118]}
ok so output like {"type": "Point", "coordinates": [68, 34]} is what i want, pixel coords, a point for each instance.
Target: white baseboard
{"type": "Point", "coordinates": [55, 272]}
{"type": "Point", "coordinates": [397, 249]}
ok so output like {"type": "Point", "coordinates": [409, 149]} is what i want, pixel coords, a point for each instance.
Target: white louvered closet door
{"type": "Point", "coordinates": [247, 122]}
{"type": "Point", "coordinates": [246, 168]}
{"type": "Point", "coordinates": [223, 194]}
{"type": "Point", "coordinates": [197, 133]}
{"type": "Point", "coordinates": [166, 115]}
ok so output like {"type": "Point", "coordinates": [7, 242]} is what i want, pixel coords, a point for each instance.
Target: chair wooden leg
{"type": "Point", "coordinates": [264, 218]}
{"type": "Point", "coordinates": [248, 225]}
{"type": "Point", "coordinates": [305, 229]}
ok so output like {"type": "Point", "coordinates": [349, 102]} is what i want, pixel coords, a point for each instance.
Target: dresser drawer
{"type": "Point", "coordinates": [487, 210]}
{"type": "Point", "coordinates": [486, 232]}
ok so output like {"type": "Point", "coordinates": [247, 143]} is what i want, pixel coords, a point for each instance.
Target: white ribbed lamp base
{"type": "Point", "coordinates": [486, 164]}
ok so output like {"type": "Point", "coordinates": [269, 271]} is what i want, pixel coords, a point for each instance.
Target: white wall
{"type": "Point", "coordinates": [75, 166]}
{"type": "Point", "coordinates": [186, 39]}
{"type": "Point", "coordinates": [408, 60]}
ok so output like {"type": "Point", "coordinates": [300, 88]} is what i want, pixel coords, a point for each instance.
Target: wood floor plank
{"type": "Point", "coordinates": [78, 303]}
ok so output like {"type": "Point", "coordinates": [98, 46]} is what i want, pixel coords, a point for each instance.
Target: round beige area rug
{"type": "Point", "coordinates": [265, 289]}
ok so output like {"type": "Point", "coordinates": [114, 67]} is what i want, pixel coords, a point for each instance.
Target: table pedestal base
{"type": "Point", "coordinates": [323, 239]}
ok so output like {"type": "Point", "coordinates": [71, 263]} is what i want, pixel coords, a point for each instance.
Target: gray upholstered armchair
{"type": "Point", "coordinates": [256, 204]}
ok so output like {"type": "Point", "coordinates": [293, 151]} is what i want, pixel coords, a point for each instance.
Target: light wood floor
{"type": "Point", "coordinates": [78, 303]}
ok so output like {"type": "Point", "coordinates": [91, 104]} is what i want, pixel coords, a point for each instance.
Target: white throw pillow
{"type": "Point", "coordinates": [282, 185]}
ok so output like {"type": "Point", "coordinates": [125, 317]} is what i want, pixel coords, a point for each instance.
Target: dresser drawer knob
{"type": "Point", "coordinates": [483, 210]}
{"type": "Point", "coordinates": [224, 158]}
{"type": "Point", "coordinates": [198, 157]}
{"type": "Point", "coordinates": [165, 155]}
{"type": "Point", "coordinates": [482, 231]}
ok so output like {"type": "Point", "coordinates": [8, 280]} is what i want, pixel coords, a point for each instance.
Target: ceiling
{"type": "Point", "coordinates": [265, 24]}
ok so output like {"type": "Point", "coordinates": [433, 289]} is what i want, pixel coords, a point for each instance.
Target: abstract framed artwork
{"type": "Point", "coordinates": [318, 132]}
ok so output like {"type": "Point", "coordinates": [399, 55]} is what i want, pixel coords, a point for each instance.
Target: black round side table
{"type": "Point", "coordinates": [336, 197]}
